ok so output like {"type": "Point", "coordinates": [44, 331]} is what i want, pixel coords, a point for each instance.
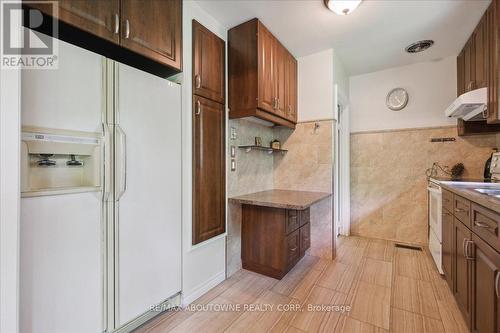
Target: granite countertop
{"type": "Point", "coordinates": [285, 199]}
{"type": "Point", "coordinates": [466, 190]}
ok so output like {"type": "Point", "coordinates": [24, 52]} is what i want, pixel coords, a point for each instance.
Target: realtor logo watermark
{"type": "Point", "coordinates": [23, 47]}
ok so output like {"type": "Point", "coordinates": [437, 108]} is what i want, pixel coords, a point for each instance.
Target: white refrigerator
{"type": "Point", "coordinates": [101, 195]}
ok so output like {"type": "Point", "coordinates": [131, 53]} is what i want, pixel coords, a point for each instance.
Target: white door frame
{"type": "Point", "coordinates": [341, 164]}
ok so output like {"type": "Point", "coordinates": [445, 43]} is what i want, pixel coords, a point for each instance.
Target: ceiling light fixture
{"type": "Point", "coordinates": [342, 7]}
{"type": "Point", "coordinates": [419, 46]}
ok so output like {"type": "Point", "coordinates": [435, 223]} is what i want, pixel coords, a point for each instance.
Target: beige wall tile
{"type": "Point", "coordinates": [388, 182]}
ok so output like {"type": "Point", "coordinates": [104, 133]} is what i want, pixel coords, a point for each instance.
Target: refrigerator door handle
{"type": "Point", "coordinates": [121, 165]}
{"type": "Point", "coordinates": [106, 162]}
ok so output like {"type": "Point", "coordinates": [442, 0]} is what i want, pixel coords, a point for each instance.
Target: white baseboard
{"type": "Point", "coordinates": [202, 289]}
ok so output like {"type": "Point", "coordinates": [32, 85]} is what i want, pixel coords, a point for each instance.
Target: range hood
{"type": "Point", "coordinates": [469, 106]}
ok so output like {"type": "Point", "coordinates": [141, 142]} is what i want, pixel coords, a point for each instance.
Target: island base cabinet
{"type": "Point", "coordinates": [273, 240]}
{"type": "Point", "coordinates": [485, 288]}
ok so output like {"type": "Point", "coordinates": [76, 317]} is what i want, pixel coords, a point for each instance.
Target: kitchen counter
{"type": "Point", "coordinates": [466, 190]}
{"type": "Point", "coordinates": [285, 199]}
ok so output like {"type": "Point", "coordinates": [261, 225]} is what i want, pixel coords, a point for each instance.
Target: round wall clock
{"type": "Point", "coordinates": [397, 99]}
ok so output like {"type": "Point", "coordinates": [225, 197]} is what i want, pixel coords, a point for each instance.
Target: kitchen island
{"type": "Point", "coordinates": [275, 230]}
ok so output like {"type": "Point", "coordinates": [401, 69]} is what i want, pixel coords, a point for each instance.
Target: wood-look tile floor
{"type": "Point", "coordinates": [372, 286]}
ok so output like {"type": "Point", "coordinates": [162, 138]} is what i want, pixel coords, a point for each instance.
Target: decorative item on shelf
{"type": "Point", "coordinates": [457, 171]}
{"type": "Point", "coordinates": [258, 141]}
{"type": "Point", "coordinates": [275, 144]}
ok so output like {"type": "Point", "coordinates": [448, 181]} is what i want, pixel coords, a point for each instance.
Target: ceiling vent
{"type": "Point", "coordinates": [419, 46]}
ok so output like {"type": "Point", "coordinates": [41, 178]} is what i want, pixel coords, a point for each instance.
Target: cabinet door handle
{"type": "Point", "coordinates": [468, 255]}
{"type": "Point", "coordinates": [198, 108]}
{"type": "Point", "coordinates": [485, 114]}
{"type": "Point", "coordinates": [460, 210]}
{"type": "Point", "coordinates": [497, 284]}
{"type": "Point", "coordinates": [293, 249]}
{"type": "Point", "coordinates": [127, 29]}
{"type": "Point", "coordinates": [117, 24]}
{"type": "Point", "coordinates": [197, 80]}
{"type": "Point", "coordinates": [471, 85]}
{"type": "Point", "coordinates": [482, 225]}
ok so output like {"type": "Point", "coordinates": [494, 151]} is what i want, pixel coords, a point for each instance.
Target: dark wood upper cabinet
{"type": "Point", "coordinates": [146, 34]}
{"type": "Point", "coordinates": [153, 28]}
{"type": "Point", "coordinates": [461, 73]}
{"type": "Point", "coordinates": [469, 65]}
{"type": "Point", "coordinates": [485, 288]}
{"type": "Point", "coordinates": [291, 88]}
{"type": "Point", "coordinates": [481, 65]}
{"type": "Point", "coordinates": [281, 84]}
{"type": "Point", "coordinates": [209, 53]}
{"type": "Point", "coordinates": [259, 76]}
{"type": "Point", "coordinates": [209, 172]}
{"type": "Point", "coordinates": [478, 67]}
{"type": "Point", "coordinates": [100, 18]}
{"type": "Point", "coordinates": [266, 76]}
{"type": "Point", "coordinates": [492, 23]}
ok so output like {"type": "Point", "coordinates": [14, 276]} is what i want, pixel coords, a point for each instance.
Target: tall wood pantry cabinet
{"type": "Point", "coordinates": [209, 159]}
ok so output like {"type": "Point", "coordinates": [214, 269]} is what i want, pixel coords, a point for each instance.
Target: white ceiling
{"type": "Point", "coordinates": [370, 39]}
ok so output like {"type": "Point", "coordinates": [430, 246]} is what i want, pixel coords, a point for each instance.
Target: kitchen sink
{"type": "Point", "coordinates": [489, 191]}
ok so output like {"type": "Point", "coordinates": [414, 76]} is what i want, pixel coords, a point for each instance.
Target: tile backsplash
{"type": "Point", "coordinates": [254, 173]}
{"type": "Point", "coordinates": [388, 180]}
{"type": "Point", "coordinates": [308, 167]}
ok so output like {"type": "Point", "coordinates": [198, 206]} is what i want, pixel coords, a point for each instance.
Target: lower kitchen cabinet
{"type": "Point", "coordinates": [485, 281]}
{"type": "Point", "coordinates": [447, 246]}
{"type": "Point", "coordinates": [462, 236]}
{"type": "Point", "coordinates": [273, 240]}
{"type": "Point", "coordinates": [471, 262]}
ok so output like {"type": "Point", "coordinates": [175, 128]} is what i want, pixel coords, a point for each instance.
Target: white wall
{"type": "Point", "coordinates": [431, 87]}
{"type": "Point", "coordinates": [10, 114]}
{"type": "Point", "coordinates": [204, 264]}
{"type": "Point", "coordinates": [318, 74]}
{"type": "Point", "coordinates": [315, 86]}
{"type": "Point", "coordinates": [340, 77]}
